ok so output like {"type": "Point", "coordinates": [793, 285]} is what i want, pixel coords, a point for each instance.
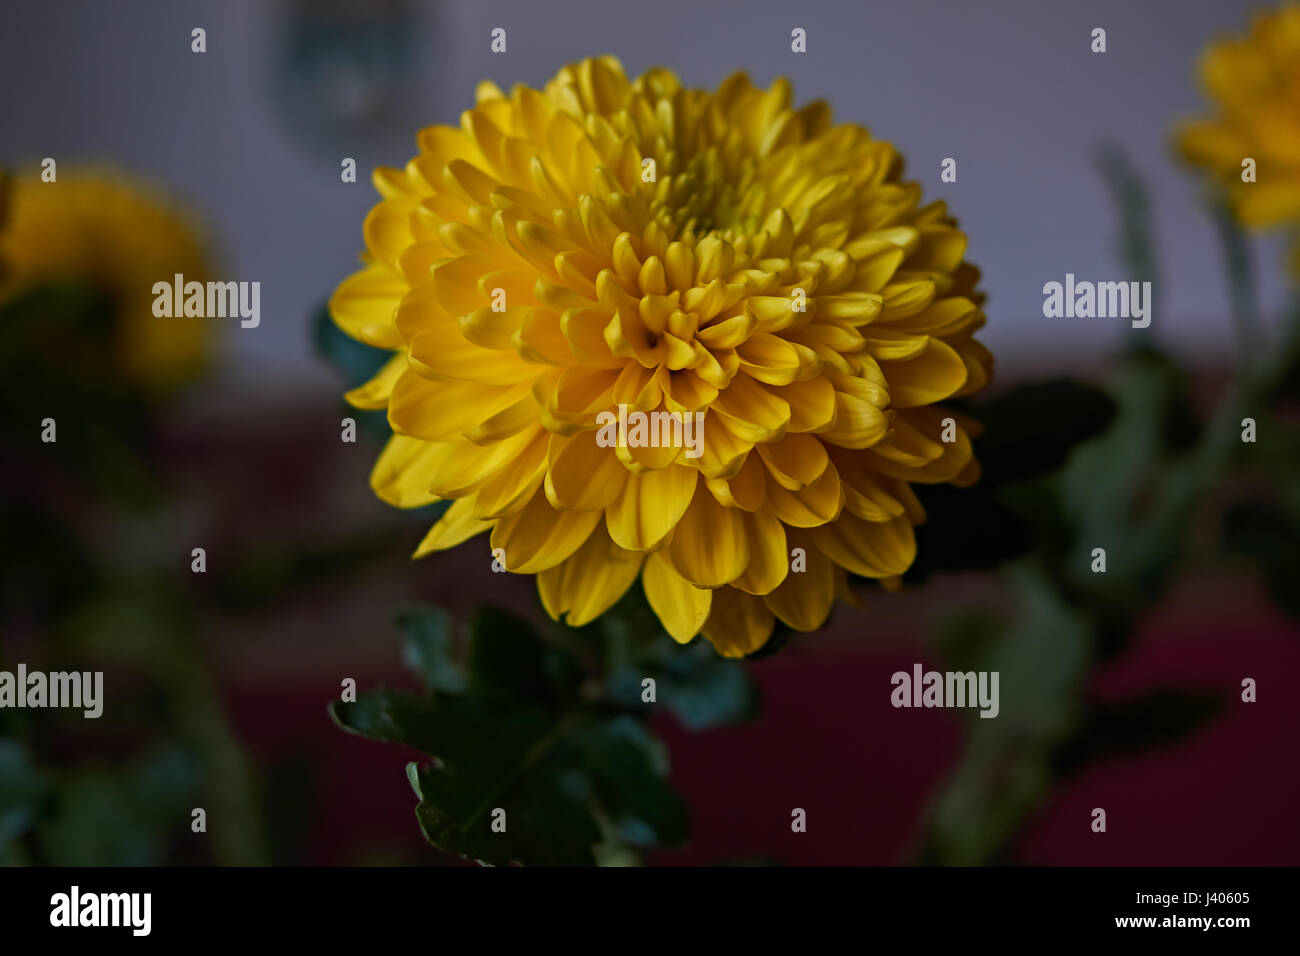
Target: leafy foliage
{"type": "Point", "coordinates": [700, 688]}
{"type": "Point", "coordinates": [1127, 472]}
{"type": "Point", "coordinates": [516, 723]}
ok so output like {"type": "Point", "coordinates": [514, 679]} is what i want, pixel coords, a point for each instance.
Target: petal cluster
{"type": "Point", "coordinates": [606, 244]}
{"type": "Point", "coordinates": [1253, 83]}
{"type": "Point", "coordinates": [103, 228]}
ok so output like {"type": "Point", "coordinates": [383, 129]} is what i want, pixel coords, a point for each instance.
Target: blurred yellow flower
{"type": "Point", "coordinates": [1253, 82]}
{"type": "Point", "coordinates": [121, 236]}
{"type": "Point", "coordinates": [607, 247]}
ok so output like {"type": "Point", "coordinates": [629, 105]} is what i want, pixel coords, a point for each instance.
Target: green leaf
{"type": "Point", "coordinates": [1109, 481]}
{"type": "Point", "coordinates": [1030, 430]}
{"type": "Point", "coordinates": [629, 768]}
{"type": "Point", "coordinates": [966, 529]}
{"type": "Point", "coordinates": [430, 649]}
{"type": "Point", "coordinates": [699, 687]}
{"type": "Point", "coordinates": [507, 656]}
{"type": "Point", "coordinates": [542, 818]}
{"type": "Point", "coordinates": [489, 757]}
{"type": "Point", "coordinates": [355, 361]}
{"type": "Point", "coordinates": [524, 768]}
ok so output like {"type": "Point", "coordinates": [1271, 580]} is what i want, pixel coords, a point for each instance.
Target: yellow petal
{"type": "Point", "coordinates": [456, 526]}
{"type": "Point", "coordinates": [441, 352]}
{"type": "Point", "coordinates": [1265, 204]}
{"type": "Point", "coordinates": [769, 359]}
{"type": "Point", "coordinates": [466, 466]}
{"type": "Point", "coordinates": [808, 507]}
{"type": "Point", "coordinates": [375, 393]}
{"type": "Point", "coordinates": [858, 423]}
{"type": "Point", "coordinates": [589, 583]}
{"type": "Point", "coordinates": [710, 546]}
{"type": "Point", "coordinates": [769, 560]}
{"type": "Point", "coordinates": [738, 623]}
{"type": "Point", "coordinates": [387, 229]}
{"type": "Point", "coordinates": [752, 412]}
{"type": "Point", "coordinates": [812, 404]}
{"type": "Point", "coordinates": [515, 484]}
{"type": "Point", "coordinates": [650, 507]}
{"type": "Point", "coordinates": [746, 490]}
{"type": "Point", "coordinates": [436, 410]}
{"type": "Point", "coordinates": [581, 474]}
{"type": "Point", "coordinates": [680, 606]}
{"type": "Point", "coordinates": [931, 377]}
{"type": "Point", "coordinates": [872, 549]}
{"type": "Point", "coordinates": [405, 469]}
{"type": "Point", "coordinates": [804, 599]}
{"type": "Point", "coordinates": [722, 453]}
{"type": "Point", "coordinates": [864, 492]}
{"type": "Point", "coordinates": [365, 303]}
{"type": "Point", "coordinates": [509, 421]}
{"type": "Point", "coordinates": [795, 461]}
{"type": "Point", "coordinates": [538, 537]}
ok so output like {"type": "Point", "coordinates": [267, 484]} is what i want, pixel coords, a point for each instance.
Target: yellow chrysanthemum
{"type": "Point", "coordinates": [770, 270]}
{"type": "Point", "coordinates": [1254, 83]}
{"type": "Point", "coordinates": [105, 229]}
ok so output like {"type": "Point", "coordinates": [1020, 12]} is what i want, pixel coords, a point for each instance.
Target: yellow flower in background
{"type": "Point", "coordinates": [1254, 84]}
{"type": "Point", "coordinates": [121, 236]}
{"type": "Point", "coordinates": [605, 247]}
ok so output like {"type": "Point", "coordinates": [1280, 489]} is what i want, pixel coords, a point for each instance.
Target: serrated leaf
{"type": "Point", "coordinates": [488, 757]}
{"type": "Point", "coordinates": [629, 768]}
{"type": "Point", "coordinates": [512, 743]}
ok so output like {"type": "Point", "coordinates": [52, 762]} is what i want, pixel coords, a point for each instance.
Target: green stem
{"type": "Point", "coordinates": [1241, 285]}
{"type": "Point", "coordinates": [1248, 396]}
{"type": "Point", "coordinates": [1136, 248]}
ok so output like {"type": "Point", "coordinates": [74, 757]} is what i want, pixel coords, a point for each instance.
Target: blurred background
{"type": "Point", "coordinates": [217, 684]}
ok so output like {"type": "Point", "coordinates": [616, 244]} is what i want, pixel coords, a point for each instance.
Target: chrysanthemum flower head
{"type": "Point", "coordinates": [608, 244]}
{"type": "Point", "coordinates": [105, 229]}
{"type": "Point", "coordinates": [1253, 82]}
